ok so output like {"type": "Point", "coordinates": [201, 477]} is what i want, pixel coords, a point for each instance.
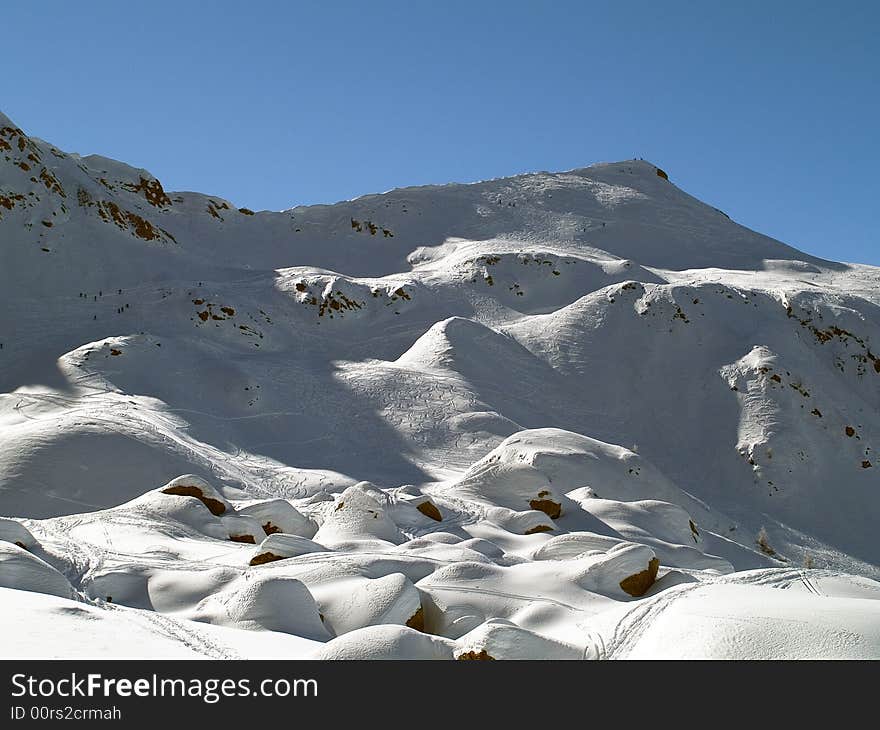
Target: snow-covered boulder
{"type": "Point", "coordinates": [409, 499]}
{"type": "Point", "coordinates": [261, 601]}
{"type": "Point", "coordinates": [15, 532]}
{"type": "Point", "coordinates": [501, 639]}
{"type": "Point", "coordinates": [646, 518]}
{"type": "Point", "coordinates": [572, 545]}
{"type": "Point", "coordinates": [23, 571]}
{"type": "Point", "coordinates": [353, 603]}
{"type": "Point", "coordinates": [386, 642]}
{"type": "Point", "coordinates": [279, 515]}
{"type": "Point", "coordinates": [359, 515]}
{"type": "Point", "coordinates": [185, 509]}
{"type": "Point", "coordinates": [242, 528]}
{"type": "Point", "coordinates": [527, 522]}
{"type": "Point", "coordinates": [535, 469]}
{"type": "Point", "coordinates": [624, 570]}
{"type": "Point", "coordinates": [279, 545]}
{"type": "Point", "coordinates": [190, 485]}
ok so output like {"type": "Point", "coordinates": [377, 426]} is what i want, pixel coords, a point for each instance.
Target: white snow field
{"type": "Point", "coordinates": [576, 415]}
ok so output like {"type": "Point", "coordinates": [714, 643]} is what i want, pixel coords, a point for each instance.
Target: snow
{"type": "Point", "coordinates": [49, 627]}
{"type": "Point", "coordinates": [737, 622]}
{"type": "Point", "coordinates": [278, 546]}
{"type": "Point", "coordinates": [561, 415]}
{"type": "Point", "coordinates": [25, 572]}
{"type": "Point", "coordinates": [500, 639]}
{"type": "Point", "coordinates": [279, 515]}
{"type": "Point", "coordinates": [260, 602]}
{"type": "Point", "coordinates": [358, 602]}
{"type": "Point", "coordinates": [386, 642]}
{"type": "Point", "coordinates": [359, 514]}
{"type": "Point", "coordinates": [16, 533]}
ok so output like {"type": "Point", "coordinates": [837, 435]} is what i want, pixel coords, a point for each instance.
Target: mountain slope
{"type": "Point", "coordinates": [504, 400]}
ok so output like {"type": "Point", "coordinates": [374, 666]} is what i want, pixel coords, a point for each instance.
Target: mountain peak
{"type": "Point", "coordinates": [5, 121]}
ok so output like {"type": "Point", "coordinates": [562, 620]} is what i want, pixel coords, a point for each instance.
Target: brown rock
{"type": "Point", "coordinates": [243, 538]}
{"type": "Point", "coordinates": [481, 655]}
{"type": "Point", "coordinates": [270, 529]}
{"type": "Point", "coordinates": [216, 507]}
{"type": "Point", "coordinates": [547, 506]}
{"type": "Point", "coordinates": [265, 558]}
{"type": "Point", "coordinates": [638, 584]}
{"type": "Point", "coordinates": [429, 509]}
{"type": "Point", "coordinates": [538, 528]}
{"type": "Point", "coordinates": [417, 620]}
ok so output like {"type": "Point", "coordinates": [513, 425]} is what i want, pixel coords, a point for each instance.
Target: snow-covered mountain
{"type": "Point", "coordinates": [563, 415]}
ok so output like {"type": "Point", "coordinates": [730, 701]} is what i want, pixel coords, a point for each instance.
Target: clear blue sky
{"type": "Point", "coordinates": [767, 110]}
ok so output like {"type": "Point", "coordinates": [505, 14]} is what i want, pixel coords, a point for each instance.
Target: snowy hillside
{"type": "Point", "coordinates": [558, 415]}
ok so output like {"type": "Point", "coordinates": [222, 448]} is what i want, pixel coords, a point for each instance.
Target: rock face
{"type": "Point", "coordinates": [473, 421]}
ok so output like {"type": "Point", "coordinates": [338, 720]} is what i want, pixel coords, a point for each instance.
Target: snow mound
{"type": "Point", "coordinates": [353, 603]}
{"type": "Point", "coordinates": [624, 570]}
{"type": "Point", "coordinates": [527, 522]}
{"type": "Point", "coordinates": [57, 628]}
{"type": "Point", "coordinates": [23, 571]}
{"type": "Point", "coordinates": [15, 532]}
{"type": "Point", "coordinates": [536, 468]}
{"type": "Point", "coordinates": [409, 507]}
{"type": "Point", "coordinates": [572, 545]}
{"type": "Point", "coordinates": [386, 642]}
{"type": "Point", "coordinates": [754, 622]}
{"type": "Point", "coordinates": [535, 595]}
{"type": "Point", "coordinates": [259, 601]}
{"type": "Point", "coordinates": [279, 545]}
{"type": "Point", "coordinates": [465, 347]}
{"type": "Point", "coordinates": [243, 528]}
{"type": "Point", "coordinates": [499, 639]}
{"type": "Point", "coordinates": [186, 509]}
{"type": "Point", "coordinates": [279, 515]}
{"type": "Point", "coordinates": [190, 485]}
{"type": "Point", "coordinates": [359, 514]}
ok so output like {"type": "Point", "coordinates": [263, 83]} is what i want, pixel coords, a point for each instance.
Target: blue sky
{"type": "Point", "coordinates": [767, 110]}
